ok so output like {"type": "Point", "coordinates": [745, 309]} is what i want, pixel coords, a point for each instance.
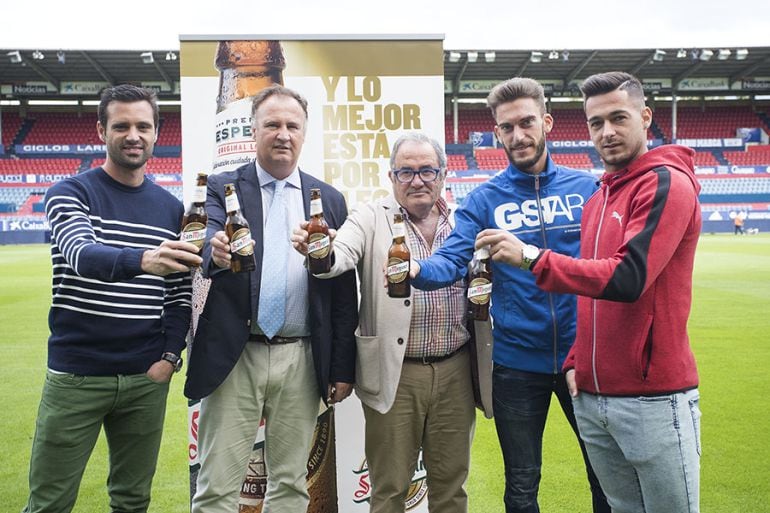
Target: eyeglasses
{"type": "Point", "coordinates": [406, 175]}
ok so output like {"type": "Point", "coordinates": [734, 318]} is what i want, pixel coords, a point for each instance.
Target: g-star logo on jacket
{"type": "Point", "coordinates": [512, 216]}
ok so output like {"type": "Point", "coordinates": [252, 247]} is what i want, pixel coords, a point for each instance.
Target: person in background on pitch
{"type": "Point", "coordinates": [270, 342]}
{"type": "Point", "coordinates": [413, 371]}
{"type": "Point", "coordinates": [631, 372]}
{"type": "Point", "coordinates": [738, 223]}
{"type": "Point", "coordinates": [119, 315]}
{"type": "Point", "coordinates": [541, 203]}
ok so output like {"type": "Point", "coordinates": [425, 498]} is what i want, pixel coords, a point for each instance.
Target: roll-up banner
{"type": "Point", "coordinates": [363, 92]}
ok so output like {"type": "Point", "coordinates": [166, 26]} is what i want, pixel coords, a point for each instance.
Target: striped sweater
{"type": "Point", "coordinates": [107, 317]}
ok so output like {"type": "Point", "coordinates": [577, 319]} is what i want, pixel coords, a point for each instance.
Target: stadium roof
{"type": "Point", "coordinates": [664, 66]}
{"type": "Point", "coordinates": [21, 74]}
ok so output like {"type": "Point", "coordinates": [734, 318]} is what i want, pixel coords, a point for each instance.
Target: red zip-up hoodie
{"type": "Point", "coordinates": [634, 278]}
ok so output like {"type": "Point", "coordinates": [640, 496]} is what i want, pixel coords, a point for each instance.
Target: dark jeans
{"type": "Point", "coordinates": [521, 400]}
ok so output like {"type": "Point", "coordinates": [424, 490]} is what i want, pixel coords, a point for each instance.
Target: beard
{"type": "Point", "coordinates": [622, 156]}
{"type": "Point", "coordinates": [526, 164]}
{"type": "Point", "coordinates": [134, 162]}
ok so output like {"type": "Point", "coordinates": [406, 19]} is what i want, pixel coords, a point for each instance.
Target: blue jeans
{"type": "Point", "coordinates": [645, 450]}
{"type": "Point", "coordinates": [521, 401]}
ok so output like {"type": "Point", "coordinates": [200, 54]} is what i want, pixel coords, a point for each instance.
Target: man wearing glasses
{"type": "Point", "coordinates": [412, 365]}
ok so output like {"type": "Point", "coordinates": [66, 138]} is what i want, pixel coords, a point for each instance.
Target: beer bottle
{"type": "Point", "coordinates": [195, 218]}
{"type": "Point", "coordinates": [255, 483]}
{"type": "Point", "coordinates": [319, 257]}
{"type": "Point", "coordinates": [247, 67]}
{"type": "Point", "coordinates": [237, 229]}
{"type": "Point", "coordinates": [322, 466]}
{"type": "Point", "coordinates": [480, 286]}
{"type": "Point", "coordinates": [399, 283]}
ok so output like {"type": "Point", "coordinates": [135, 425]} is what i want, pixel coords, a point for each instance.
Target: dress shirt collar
{"type": "Point", "coordinates": [266, 178]}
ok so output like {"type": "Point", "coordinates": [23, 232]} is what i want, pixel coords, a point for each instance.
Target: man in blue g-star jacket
{"type": "Point", "coordinates": [541, 203]}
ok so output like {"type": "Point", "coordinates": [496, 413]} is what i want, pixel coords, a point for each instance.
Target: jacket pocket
{"type": "Point", "coordinates": [644, 348]}
{"type": "Point", "coordinates": [368, 364]}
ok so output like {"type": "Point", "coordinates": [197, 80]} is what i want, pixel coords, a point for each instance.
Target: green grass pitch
{"type": "Point", "coordinates": [730, 334]}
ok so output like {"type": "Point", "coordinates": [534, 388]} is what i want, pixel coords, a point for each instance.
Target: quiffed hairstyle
{"type": "Point", "coordinates": [418, 137]}
{"type": "Point", "coordinates": [276, 90]}
{"type": "Point", "coordinates": [513, 89]}
{"type": "Point", "coordinates": [603, 83]}
{"type": "Point", "coordinates": [127, 93]}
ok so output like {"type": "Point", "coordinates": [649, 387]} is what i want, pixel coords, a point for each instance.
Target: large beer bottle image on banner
{"type": "Point", "coordinates": [246, 68]}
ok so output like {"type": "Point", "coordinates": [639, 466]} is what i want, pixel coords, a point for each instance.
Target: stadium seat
{"type": "Point", "coordinates": [714, 122]}
{"type": "Point", "coordinates": [753, 156]}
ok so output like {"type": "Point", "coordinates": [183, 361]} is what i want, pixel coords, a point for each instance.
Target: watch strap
{"type": "Point", "coordinates": [173, 359]}
{"type": "Point", "coordinates": [529, 255]}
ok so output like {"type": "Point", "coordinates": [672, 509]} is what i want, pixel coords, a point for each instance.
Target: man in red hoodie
{"type": "Point", "coordinates": [631, 373]}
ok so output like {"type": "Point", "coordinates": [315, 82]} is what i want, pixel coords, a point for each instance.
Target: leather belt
{"type": "Point", "coordinates": [254, 337]}
{"type": "Point", "coordinates": [426, 360]}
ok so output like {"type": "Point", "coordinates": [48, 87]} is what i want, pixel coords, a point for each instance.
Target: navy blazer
{"type": "Point", "coordinates": [233, 299]}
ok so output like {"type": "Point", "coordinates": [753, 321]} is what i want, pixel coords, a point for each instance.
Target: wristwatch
{"type": "Point", "coordinates": [529, 254]}
{"type": "Point", "coordinates": [174, 360]}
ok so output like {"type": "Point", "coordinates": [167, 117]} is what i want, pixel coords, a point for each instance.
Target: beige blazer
{"type": "Point", "coordinates": [383, 325]}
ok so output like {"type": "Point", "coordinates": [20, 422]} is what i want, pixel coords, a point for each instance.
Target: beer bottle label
{"type": "Point", "coordinates": [194, 233]}
{"type": "Point", "coordinates": [199, 194]}
{"type": "Point", "coordinates": [479, 291]}
{"type": "Point", "coordinates": [321, 472]}
{"type": "Point", "coordinates": [255, 483]}
{"type": "Point", "coordinates": [234, 145]}
{"type": "Point", "coordinates": [318, 245]}
{"type": "Point", "coordinates": [316, 207]}
{"type": "Point", "coordinates": [231, 203]}
{"type": "Point", "coordinates": [241, 242]}
{"type": "Point", "coordinates": [398, 270]}
{"type": "Point", "coordinates": [482, 253]}
{"type": "Point", "coordinates": [398, 230]}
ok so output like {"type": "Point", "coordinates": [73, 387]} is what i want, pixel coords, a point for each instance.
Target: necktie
{"type": "Point", "coordinates": [275, 253]}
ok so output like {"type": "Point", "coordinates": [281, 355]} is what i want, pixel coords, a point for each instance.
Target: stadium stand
{"type": "Point", "coordinates": [10, 127]}
{"type": "Point", "coordinates": [457, 162]}
{"type": "Point", "coordinates": [753, 156]}
{"type": "Point", "coordinates": [491, 158]}
{"type": "Point", "coordinates": [705, 123]}
{"type": "Point", "coordinates": [17, 197]}
{"type": "Point", "coordinates": [71, 128]}
{"type": "Point", "coordinates": [170, 131]}
{"type": "Point", "coordinates": [39, 166]}
{"type": "Point", "coordinates": [61, 128]}
{"type": "Point", "coordinates": [734, 189]}
{"type": "Point", "coordinates": [706, 158]}
{"type": "Point", "coordinates": [457, 190]}
{"type": "Point", "coordinates": [569, 124]}
{"type": "Point", "coordinates": [574, 160]}
{"type": "Point", "coordinates": [469, 120]}
{"type": "Point", "coordinates": [155, 166]}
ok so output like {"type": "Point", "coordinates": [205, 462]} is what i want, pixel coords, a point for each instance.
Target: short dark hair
{"type": "Point", "coordinates": [513, 89]}
{"type": "Point", "coordinates": [276, 90]}
{"type": "Point", "coordinates": [603, 83]}
{"type": "Point", "coordinates": [127, 93]}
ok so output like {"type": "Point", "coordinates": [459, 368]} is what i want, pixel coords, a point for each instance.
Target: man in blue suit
{"type": "Point", "coordinates": [245, 366]}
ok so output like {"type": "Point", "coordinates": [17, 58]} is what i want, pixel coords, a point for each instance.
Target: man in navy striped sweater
{"type": "Point", "coordinates": [119, 315]}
